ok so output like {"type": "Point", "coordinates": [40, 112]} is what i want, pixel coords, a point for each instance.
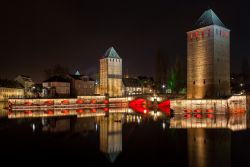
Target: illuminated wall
{"type": "Point", "coordinates": [111, 76]}
{"type": "Point", "coordinates": [208, 62]}
{"type": "Point", "coordinates": [6, 93]}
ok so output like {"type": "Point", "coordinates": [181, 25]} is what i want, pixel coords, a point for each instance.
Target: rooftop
{"type": "Point", "coordinates": [131, 82]}
{"type": "Point", "coordinates": [111, 53]}
{"type": "Point", "coordinates": [208, 18]}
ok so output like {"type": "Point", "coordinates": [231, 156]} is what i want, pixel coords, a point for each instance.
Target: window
{"type": "Point", "coordinates": [219, 81]}
{"type": "Point", "coordinates": [204, 81]}
{"type": "Point", "coordinates": [194, 82]}
{"type": "Point", "coordinates": [197, 34]}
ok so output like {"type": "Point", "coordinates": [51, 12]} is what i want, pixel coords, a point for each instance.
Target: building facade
{"type": "Point", "coordinates": [208, 58]}
{"type": "Point", "coordinates": [81, 85]}
{"type": "Point", "coordinates": [10, 89]}
{"type": "Point", "coordinates": [111, 74]}
{"type": "Point", "coordinates": [27, 83]}
{"type": "Point", "coordinates": [132, 86]}
{"type": "Point", "coordinates": [59, 84]}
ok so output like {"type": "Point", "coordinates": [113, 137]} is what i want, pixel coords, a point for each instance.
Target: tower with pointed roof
{"type": "Point", "coordinates": [208, 58]}
{"type": "Point", "coordinates": [111, 74]}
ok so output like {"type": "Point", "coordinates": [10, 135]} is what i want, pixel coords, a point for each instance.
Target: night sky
{"type": "Point", "coordinates": [36, 34]}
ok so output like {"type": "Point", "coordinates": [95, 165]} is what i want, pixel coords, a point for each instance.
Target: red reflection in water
{"type": "Point", "coordinates": [139, 105]}
{"type": "Point", "coordinates": [210, 115]}
{"type": "Point", "coordinates": [79, 111]}
{"type": "Point", "coordinates": [105, 109]}
{"type": "Point", "coordinates": [50, 112]}
{"type": "Point", "coordinates": [198, 116]}
{"type": "Point", "coordinates": [93, 101]}
{"type": "Point", "coordinates": [197, 110]}
{"type": "Point", "coordinates": [93, 110]}
{"type": "Point", "coordinates": [187, 116]}
{"type": "Point", "coordinates": [65, 111]}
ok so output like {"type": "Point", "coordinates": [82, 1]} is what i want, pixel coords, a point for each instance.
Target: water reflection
{"type": "Point", "coordinates": [233, 121]}
{"type": "Point", "coordinates": [208, 137]}
{"type": "Point", "coordinates": [111, 136]}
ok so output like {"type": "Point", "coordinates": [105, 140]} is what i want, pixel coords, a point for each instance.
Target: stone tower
{"type": "Point", "coordinates": [111, 74]}
{"type": "Point", "coordinates": [208, 58]}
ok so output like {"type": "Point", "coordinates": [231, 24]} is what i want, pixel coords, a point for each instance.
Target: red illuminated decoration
{"type": "Point", "coordinates": [50, 112]}
{"type": "Point", "coordinates": [28, 112]}
{"type": "Point", "coordinates": [210, 115]}
{"type": "Point", "coordinates": [79, 101]}
{"type": "Point", "coordinates": [65, 111]}
{"type": "Point", "coordinates": [49, 102]}
{"type": "Point", "coordinates": [79, 111]}
{"type": "Point", "coordinates": [165, 106]}
{"type": "Point", "coordinates": [65, 102]}
{"type": "Point", "coordinates": [93, 110]}
{"type": "Point", "coordinates": [105, 101]}
{"type": "Point", "coordinates": [139, 105]}
{"type": "Point", "coordinates": [187, 111]}
{"type": "Point", "coordinates": [198, 116]}
{"type": "Point", "coordinates": [197, 110]}
{"type": "Point", "coordinates": [93, 101]}
{"type": "Point", "coordinates": [187, 115]}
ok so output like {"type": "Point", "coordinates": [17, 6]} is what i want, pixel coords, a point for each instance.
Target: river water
{"type": "Point", "coordinates": [124, 137]}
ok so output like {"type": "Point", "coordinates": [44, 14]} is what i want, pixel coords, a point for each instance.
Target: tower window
{"type": "Point", "coordinates": [204, 81]}
{"type": "Point", "coordinates": [219, 81]}
{"type": "Point", "coordinates": [194, 82]}
{"type": "Point", "coordinates": [197, 34]}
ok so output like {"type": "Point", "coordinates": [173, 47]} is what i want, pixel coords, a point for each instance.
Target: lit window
{"type": "Point", "coordinates": [197, 34]}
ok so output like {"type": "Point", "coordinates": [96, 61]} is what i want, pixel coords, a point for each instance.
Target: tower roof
{"type": "Point", "coordinates": [111, 53]}
{"type": "Point", "coordinates": [208, 18]}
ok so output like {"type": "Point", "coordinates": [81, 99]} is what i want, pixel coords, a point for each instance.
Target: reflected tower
{"type": "Point", "coordinates": [111, 136]}
{"type": "Point", "coordinates": [111, 73]}
{"type": "Point", "coordinates": [208, 58]}
{"type": "Point", "coordinates": [209, 147]}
